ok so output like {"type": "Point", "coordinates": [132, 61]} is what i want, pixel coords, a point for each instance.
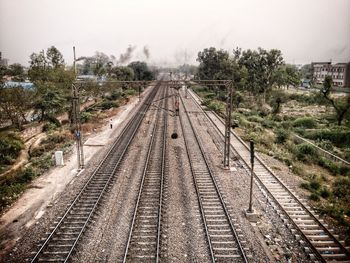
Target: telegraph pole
{"type": "Point", "coordinates": [228, 124]}
{"type": "Point", "coordinates": [76, 119]}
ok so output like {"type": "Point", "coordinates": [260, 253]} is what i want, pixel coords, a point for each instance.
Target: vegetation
{"type": "Point", "coordinates": [270, 114]}
{"type": "Point", "coordinates": [10, 147]}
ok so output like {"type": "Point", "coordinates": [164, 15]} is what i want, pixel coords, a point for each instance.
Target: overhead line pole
{"type": "Point", "coordinates": [76, 119]}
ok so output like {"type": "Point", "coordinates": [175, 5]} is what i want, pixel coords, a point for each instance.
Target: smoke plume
{"type": "Point", "coordinates": [123, 58]}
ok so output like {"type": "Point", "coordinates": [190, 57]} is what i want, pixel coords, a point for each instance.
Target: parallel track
{"type": "Point", "coordinates": [223, 240]}
{"type": "Point", "coordinates": [61, 242]}
{"type": "Point", "coordinates": [144, 238]}
{"type": "Point", "coordinates": [324, 246]}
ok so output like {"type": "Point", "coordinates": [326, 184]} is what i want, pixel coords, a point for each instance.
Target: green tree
{"type": "Point", "coordinates": [54, 57]}
{"type": "Point", "coordinates": [287, 75]}
{"type": "Point", "coordinates": [219, 65]}
{"type": "Point", "coordinates": [122, 73]}
{"type": "Point", "coordinates": [50, 102]}
{"type": "Point", "coordinates": [340, 105]}
{"type": "Point", "coordinates": [17, 72]}
{"type": "Point", "coordinates": [141, 71]}
{"type": "Point", "coordinates": [261, 66]}
{"type": "Point", "coordinates": [15, 102]}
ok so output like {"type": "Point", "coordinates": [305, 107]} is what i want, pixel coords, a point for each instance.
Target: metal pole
{"type": "Point", "coordinates": [228, 125]}
{"type": "Point", "coordinates": [76, 119]}
{"type": "Point", "coordinates": [250, 209]}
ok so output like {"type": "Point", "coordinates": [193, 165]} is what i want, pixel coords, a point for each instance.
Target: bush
{"type": "Point", "coordinates": [329, 165]}
{"type": "Point", "coordinates": [305, 151]}
{"type": "Point", "coordinates": [214, 105]}
{"type": "Point", "coordinates": [105, 105]}
{"type": "Point", "coordinates": [282, 135]}
{"type": "Point", "coordinates": [85, 117]}
{"type": "Point", "coordinates": [325, 193]}
{"type": "Point", "coordinates": [314, 197]}
{"type": "Point", "coordinates": [305, 122]}
{"type": "Point", "coordinates": [49, 126]}
{"type": "Point", "coordinates": [339, 137]}
{"type": "Point", "coordinates": [13, 184]}
{"type": "Point", "coordinates": [10, 147]}
{"type": "Point", "coordinates": [341, 188]}
{"type": "Point", "coordinates": [116, 94]}
{"type": "Point", "coordinates": [255, 118]}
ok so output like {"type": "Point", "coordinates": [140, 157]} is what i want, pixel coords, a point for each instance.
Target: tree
{"type": "Point", "coordinates": [17, 72]}
{"type": "Point", "coordinates": [49, 103]}
{"type": "Point", "coordinates": [54, 57]}
{"type": "Point", "coordinates": [287, 75]}
{"type": "Point", "coordinates": [15, 102]}
{"type": "Point", "coordinates": [219, 65]}
{"type": "Point", "coordinates": [141, 71]}
{"type": "Point", "coordinates": [122, 73]}
{"type": "Point", "coordinates": [261, 67]}
{"type": "Point", "coordinates": [214, 64]}
{"type": "Point", "coordinates": [341, 105]}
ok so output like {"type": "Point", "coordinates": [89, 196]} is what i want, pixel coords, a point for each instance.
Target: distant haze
{"type": "Point", "coordinates": [170, 32]}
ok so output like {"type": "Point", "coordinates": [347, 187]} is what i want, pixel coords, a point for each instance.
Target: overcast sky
{"type": "Point", "coordinates": [305, 30]}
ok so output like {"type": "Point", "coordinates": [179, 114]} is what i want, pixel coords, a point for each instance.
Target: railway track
{"type": "Point", "coordinates": [144, 238]}
{"type": "Point", "coordinates": [306, 226]}
{"type": "Point", "coordinates": [61, 242]}
{"type": "Point", "coordinates": [223, 239]}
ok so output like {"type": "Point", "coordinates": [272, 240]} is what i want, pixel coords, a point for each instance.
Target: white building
{"type": "Point", "coordinates": [339, 72]}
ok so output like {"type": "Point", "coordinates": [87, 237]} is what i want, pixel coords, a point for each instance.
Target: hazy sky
{"type": "Point", "coordinates": [305, 30]}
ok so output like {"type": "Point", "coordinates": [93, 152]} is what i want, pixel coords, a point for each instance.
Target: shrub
{"type": "Point", "coordinates": [255, 118]}
{"type": "Point", "coordinates": [305, 151]}
{"type": "Point", "coordinates": [341, 188]}
{"type": "Point", "coordinates": [282, 135]}
{"type": "Point", "coordinates": [314, 196]}
{"type": "Point", "coordinates": [305, 122]}
{"type": "Point", "coordinates": [329, 165]}
{"type": "Point", "coordinates": [10, 147]}
{"type": "Point", "coordinates": [85, 117]}
{"type": "Point", "coordinates": [105, 105]}
{"type": "Point", "coordinates": [339, 137]}
{"type": "Point", "coordinates": [116, 94]}
{"type": "Point", "coordinates": [325, 193]}
{"type": "Point", "coordinates": [325, 144]}
{"type": "Point", "coordinates": [49, 126]}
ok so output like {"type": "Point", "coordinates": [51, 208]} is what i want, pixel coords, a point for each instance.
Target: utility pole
{"type": "Point", "coordinates": [228, 124]}
{"type": "Point", "coordinates": [76, 119]}
{"type": "Point", "coordinates": [250, 209]}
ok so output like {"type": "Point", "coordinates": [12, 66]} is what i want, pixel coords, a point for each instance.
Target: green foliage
{"type": "Point", "coordinates": [305, 151]}
{"type": "Point", "coordinates": [339, 137]}
{"type": "Point", "coordinates": [315, 196]}
{"type": "Point", "coordinates": [123, 73]}
{"type": "Point", "coordinates": [52, 124]}
{"type": "Point", "coordinates": [10, 147]}
{"type": "Point", "coordinates": [105, 105]}
{"type": "Point", "coordinates": [305, 122]}
{"type": "Point", "coordinates": [329, 165]}
{"type": "Point", "coordinates": [341, 188]}
{"type": "Point", "coordinates": [282, 135]}
{"type": "Point", "coordinates": [85, 117]}
{"type": "Point", "coordinates": [11, 185]}
{"type": "Point", "coordinates": [325, 193]}
{"type": "Point", "coordinates": [141, 71]}
{"type": "Point", "coordinates": [214, 105]}
{"type": "Point", "coordinates": [261, 66]}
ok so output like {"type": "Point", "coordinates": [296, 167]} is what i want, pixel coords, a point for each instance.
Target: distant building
{"type": "Point", "coordinates": [3, 61]}
{"type": "Point", "coordinates": [339, 72]}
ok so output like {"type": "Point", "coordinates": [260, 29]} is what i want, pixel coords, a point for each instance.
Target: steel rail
{"type": "Point", "coordinates": [140, 191]}
{"type": "Point", "coordinates": [305, 238]}
{"type": "Point", "coordinates": [235, 235]}
{"type": "Point", "coordinates": [135, 118]}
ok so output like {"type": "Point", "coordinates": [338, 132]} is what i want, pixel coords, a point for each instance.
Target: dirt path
{"type": "Point", "coordinates": [33, 203]}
